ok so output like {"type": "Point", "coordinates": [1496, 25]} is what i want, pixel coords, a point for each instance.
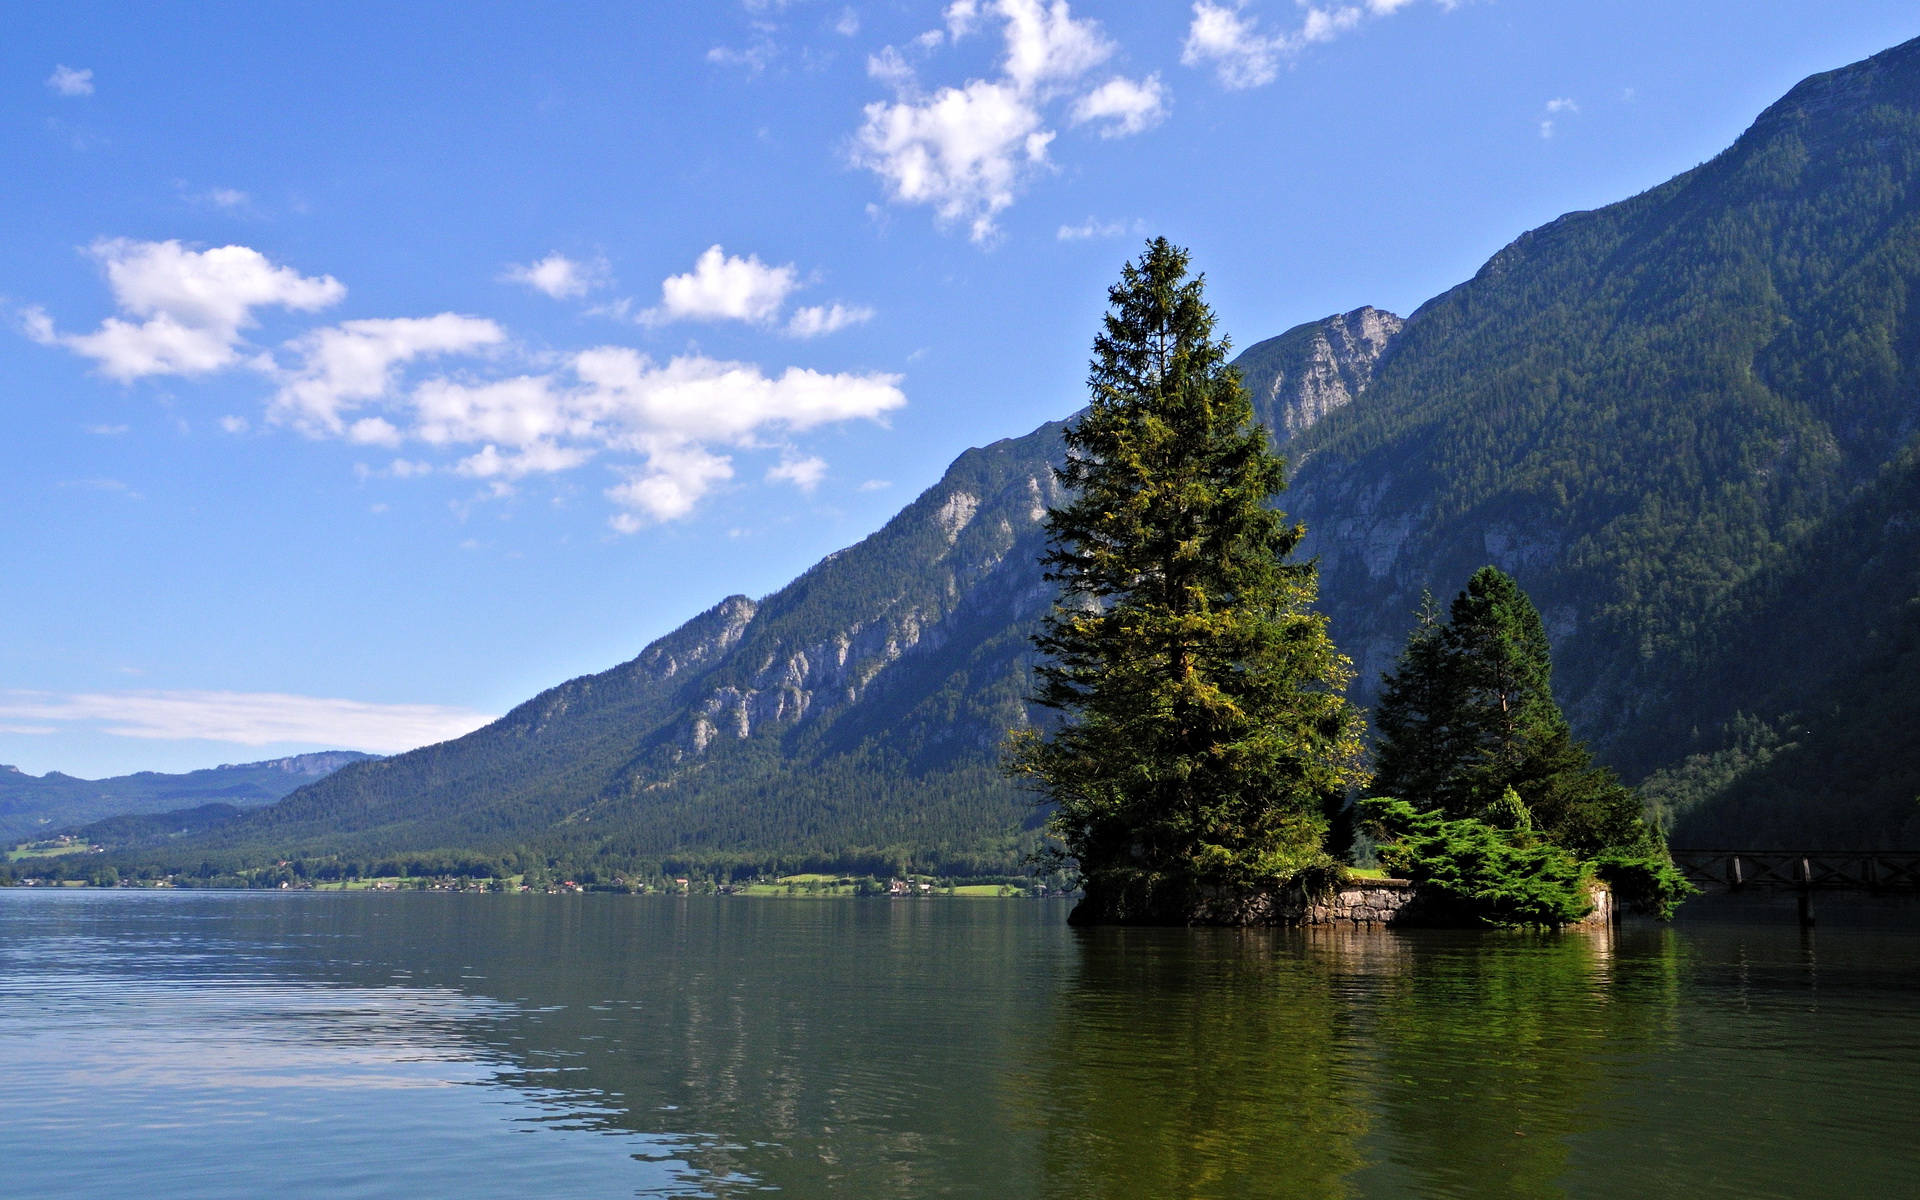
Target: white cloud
{"type": "Point", "coordinates": [667, 488]}
{"type": "Point", "coordinates": [1556, 106]}
{"type": "Point", "coordinates": [229, 198]}
{"type": "Point", "coordinates": [1128, 106]}
{"type": "Point", "coordinates": [963, 151]}
{"type": "Point", "coordinates": [249, 718]}
{"type": "Point", "coordinates": [1547, 123]}
{"type": "Point", "coordinates": [616, 401]}
{"type": "Point", "coordinates": [664, 427]}
{"type": "Point", "coordinates": [1093, 227]}
{"type": "Point", "coordinates": [848, 24]}
{"type": "Point", "coordinates": [1046, 46]}
{"type": "Point", "coordinates": [192, 306]}
{"type": "Point", "coordinates": [754, 58]}
{"type": "Point", "coordinates": [1241, 57]}
{"type": "Point", "coordinates": [347, 365]}
{"type": "Point", "coordinates": [724, 288]}
{"type": "Point", "coordinates": [962, 18]}
{"type": "Point", "coordinates": [1244, 57]}
{"type": "Point", "coordinates": [817, 319]}
{"type": "Point", "coordinates": [966, 151]}
{"type": "Point", "coordinates": [803, 473]}
{"type": "Point", "coordinates": [68, 82]}
{"type": "Point", "coordinates": [558, 276]}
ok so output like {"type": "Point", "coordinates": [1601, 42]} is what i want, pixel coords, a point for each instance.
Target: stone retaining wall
{"type": "Point", "coordinates": [1366, 903]}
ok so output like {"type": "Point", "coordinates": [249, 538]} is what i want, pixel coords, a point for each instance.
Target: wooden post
{"type": "Point", "coordinates": [1805, 871]}
{"type": "Point", "coordinates": [1734, 879]}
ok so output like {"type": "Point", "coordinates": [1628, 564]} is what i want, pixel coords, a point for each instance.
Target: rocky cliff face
{"type": "Point", "coordinates": [1314, 369]}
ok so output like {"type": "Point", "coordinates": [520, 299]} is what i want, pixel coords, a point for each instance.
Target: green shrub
{"type": "Point", "coordinates": [1644, 879]}
{"type": "Point", "coordinates": [1472, 871]}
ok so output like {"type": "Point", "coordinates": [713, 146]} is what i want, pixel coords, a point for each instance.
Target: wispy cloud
{"type": "Point", "coordinates": [817, 319]}
{"type": "Point", "coordinates": [1242, 55]}
{"type": "Point", "coordinates": [803, 473]}
{"type": "Point", "coordinates": [1094, 227]}
{"type": "Point", "coordinates": [1554, 109]}
{"type": "Point", "coordinates": [248, 718]}
{"type": "Point", "coordinates": [66, 81]}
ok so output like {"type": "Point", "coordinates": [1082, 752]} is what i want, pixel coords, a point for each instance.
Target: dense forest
{"type": "Point", "coordinates": [1684, 423]}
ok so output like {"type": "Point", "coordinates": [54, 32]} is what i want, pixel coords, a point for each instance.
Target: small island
{"type": "Point", "coordinates": [1206, 767]}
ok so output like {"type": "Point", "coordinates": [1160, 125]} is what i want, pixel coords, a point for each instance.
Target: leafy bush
{"type": "Point", "coordinates": [1644, 879]}
{"type": "Point", "coordinates": [1471, 870]}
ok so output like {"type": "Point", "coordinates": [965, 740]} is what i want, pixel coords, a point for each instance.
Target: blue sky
{"type": "Point", "coordinates": [367, 368]}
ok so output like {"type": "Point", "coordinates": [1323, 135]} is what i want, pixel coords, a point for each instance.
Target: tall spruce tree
{"type": "Point", "coordinates": [1470, 714]}
{"type": "Point", "coordinates": [1207, 740]}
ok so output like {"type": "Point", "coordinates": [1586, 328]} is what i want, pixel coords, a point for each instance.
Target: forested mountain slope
{"type": "Point", "coordinates": [1640, 409]}
{"type": "Point", "coordinates": [1653, 414]}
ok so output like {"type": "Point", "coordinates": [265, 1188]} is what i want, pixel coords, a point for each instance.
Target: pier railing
{"type": "Point", "coordinates": [1818, 870]}
{"type": "Point", "coordinates": [1803, 872]}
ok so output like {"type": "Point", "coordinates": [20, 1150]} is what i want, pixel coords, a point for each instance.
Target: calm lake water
{"type": "Point", "coordinates": [419, 1045]}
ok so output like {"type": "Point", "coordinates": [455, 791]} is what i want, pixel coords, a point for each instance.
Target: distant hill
{"type": "Point", "coordinates": [34, 805]}
{"type": "Point", "coordinates": [1680, 420]}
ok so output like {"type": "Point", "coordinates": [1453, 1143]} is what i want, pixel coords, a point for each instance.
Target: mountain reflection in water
{"type": "Point", "coordinates": [432, 1045]}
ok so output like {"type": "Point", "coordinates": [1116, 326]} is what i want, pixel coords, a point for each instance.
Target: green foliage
{"type": "Point", "coordinates": [1207, 739]}
{"type": "Point", "coordinates": [1471, 870]}
{"type": "Point", "coordinates": [1469, 716]}
{"type": "Point", "coordinates": [1644, 879]}
{"type": "Point", "coordinates": [1798, 732]}
{"type": "Point", "coordinates": [1509, 812]}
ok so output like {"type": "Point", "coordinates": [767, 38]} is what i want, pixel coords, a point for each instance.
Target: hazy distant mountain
{"type": "Point", "coordinates": [31, 804]}
{"type": "Point", "coordinates": [1655, 414]}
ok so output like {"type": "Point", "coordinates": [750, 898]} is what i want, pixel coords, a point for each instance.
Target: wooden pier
{"type": "Point", "coordinates": [1802, 872]}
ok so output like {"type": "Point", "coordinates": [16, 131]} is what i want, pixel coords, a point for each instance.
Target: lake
{"type": "Point", "coordinates": [210, 1045]}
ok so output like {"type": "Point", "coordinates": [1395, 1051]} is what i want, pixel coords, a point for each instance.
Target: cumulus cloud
{"type": "Point", "coordinates": [66, 81]}
{"type": "Point", "coordinates": [1242, 56]}
{"type": "Point", "coordinates": [1046, 46]}
{"type": "Point", "coordinates": [724, 288]}
{"type": "Point", "coordinates": [616, 401]}
{"type": "Point", "coordinates": [965, 151]}
{"type": "Point", "coordinates": [667, 429]}
{"type": "Point", "coordinates": [1127, 106]}
{"type": "Point", "coordinates": [816, 319]}
{"type": "Point", "coordinates": [189, 306]}
{"type": "Point", "coordinates": [558, 276]}
{"type": "Point", "coordinates": [347, 365]}
{"type": "Point", "coordinates": [248, 718]}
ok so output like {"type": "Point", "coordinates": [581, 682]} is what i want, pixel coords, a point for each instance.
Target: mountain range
{"type": "Point", "coordinates": [31, 805]}
{"type": "Point", "coordinates": [1685, 422]}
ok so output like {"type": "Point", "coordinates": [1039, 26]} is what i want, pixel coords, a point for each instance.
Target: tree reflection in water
{"type": "Point", "coordinates": [1334, 1063]}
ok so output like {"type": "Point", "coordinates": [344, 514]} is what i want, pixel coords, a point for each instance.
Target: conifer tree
{"type": "Point", "coordinates": [1206, 737]}
{"type": "Point", "coordinates": [1470, 714]}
